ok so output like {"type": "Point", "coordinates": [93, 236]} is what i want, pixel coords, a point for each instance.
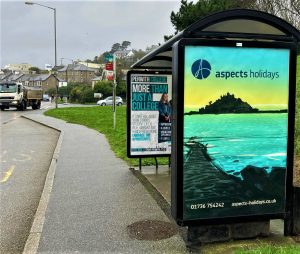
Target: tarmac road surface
{"type": "Point", "coordinates": [26, 150]}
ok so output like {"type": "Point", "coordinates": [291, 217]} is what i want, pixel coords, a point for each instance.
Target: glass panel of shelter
{"type": "Point", "coordinates": [243, 26]}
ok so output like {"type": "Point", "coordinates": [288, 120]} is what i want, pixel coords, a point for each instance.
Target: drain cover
{"type": "Point", "coordinates": [151, 230]}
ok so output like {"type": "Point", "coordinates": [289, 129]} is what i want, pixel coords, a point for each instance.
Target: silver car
{"type": "Point", "coordinates": [109, 101]}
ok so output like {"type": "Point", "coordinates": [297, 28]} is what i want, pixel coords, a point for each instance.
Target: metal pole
{"type": "Point", "coordinates": [140, 164]}
{"type": "Point", "coordinates": [55, 56]}
{"type": "Point", "coordinates": [114, 89]}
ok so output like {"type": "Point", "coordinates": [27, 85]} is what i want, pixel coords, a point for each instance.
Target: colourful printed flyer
{"type": "Point", "coordinates": [150, 114]}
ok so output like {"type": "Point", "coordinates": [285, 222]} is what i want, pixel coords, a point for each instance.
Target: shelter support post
{"type": "Point", "coordinates": [140, 164]}
{"type": "Point", "coordinates": [296, 212]}
{"type": "Point", "coordinates": [156, 164]}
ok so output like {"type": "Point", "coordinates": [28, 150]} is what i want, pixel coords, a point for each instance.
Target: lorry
{"type": "Point", "coordinates": [15, 94]}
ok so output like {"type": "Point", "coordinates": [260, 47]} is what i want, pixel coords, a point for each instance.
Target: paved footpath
{"type": "Point", "coordinates": [94, 198]}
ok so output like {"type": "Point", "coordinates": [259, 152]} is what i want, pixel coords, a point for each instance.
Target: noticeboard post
{"type": "Point", "coordinates": [149, 114]}
{"type": "Point", "coordinates": [234, 126]}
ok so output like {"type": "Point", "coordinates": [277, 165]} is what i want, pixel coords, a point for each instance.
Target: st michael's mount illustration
{"type": "Point", "coordinates": [229, 104]}
{"type": "Point", "coordinates": [235, 156]}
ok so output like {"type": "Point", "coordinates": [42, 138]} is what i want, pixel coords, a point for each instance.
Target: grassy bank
{"type": "Point", "coordinates": [269, 249]}
{"type": "Point", "coordinates": [101, 119]}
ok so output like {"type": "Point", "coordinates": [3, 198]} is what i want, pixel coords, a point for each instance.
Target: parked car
{"type": "Point", "coordinates": [46, 97]}
{"type": "Point", "coordinates": [109, 101]}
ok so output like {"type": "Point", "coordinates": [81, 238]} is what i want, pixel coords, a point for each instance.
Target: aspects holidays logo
{"type": "Point", "coordinates": [201, 69]}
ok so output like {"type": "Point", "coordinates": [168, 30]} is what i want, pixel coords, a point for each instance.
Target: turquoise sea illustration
{"type": "Point", "coordinates": [235, 141]}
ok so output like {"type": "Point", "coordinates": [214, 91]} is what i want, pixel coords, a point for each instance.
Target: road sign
{"type": "Point", "coordinates": [97, 95]}
{"type": "Point", "coordinates": [109, 66]}
{"type": "Point", "coordinates": [110, 75]}
{"type": "Point", "coordinates": [109, 58]}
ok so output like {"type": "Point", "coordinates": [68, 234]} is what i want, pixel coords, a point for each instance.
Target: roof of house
{"type": "Point", "coordinates": [5, 76]}
{"type": "Point", "coordinates": [14, 77]}
{"type": "Point", "coordinates": [76, 67]}
{"type": "Point", "coordinates": [35, 77]}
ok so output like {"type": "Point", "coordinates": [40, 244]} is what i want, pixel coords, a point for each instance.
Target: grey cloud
{"type": "Point", "coordinates": [84, 29]}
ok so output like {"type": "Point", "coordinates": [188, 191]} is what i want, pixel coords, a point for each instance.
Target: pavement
{"type": "Point", "coordinates": [94, 200]}
{"type": "Point", "coordinates": [26, 150]}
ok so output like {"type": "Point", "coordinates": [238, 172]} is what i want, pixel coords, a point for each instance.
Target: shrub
{"type": "Point", "coordinates": [104, 87]}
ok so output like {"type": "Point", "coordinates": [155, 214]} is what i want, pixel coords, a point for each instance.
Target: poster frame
{"type": "Point", "coordinates": [128, 110]}
{"type": "Point", "coordinates": [178, 131]}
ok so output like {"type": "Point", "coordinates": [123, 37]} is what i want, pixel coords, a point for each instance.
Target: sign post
{"type": "Point", "coordinates": [114, 88]}
{"type": "Point", "coordinates": [110, 67]}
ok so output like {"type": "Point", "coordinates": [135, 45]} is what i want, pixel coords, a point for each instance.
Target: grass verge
{"type": "Point", "coordinates": [269, 249]}
{"type": "Point", "coordinates": [101, 119]}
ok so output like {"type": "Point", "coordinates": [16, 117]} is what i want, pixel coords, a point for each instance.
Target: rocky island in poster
{"type": "Point", "coordinates": [150, 114]}
{"type": "Point", "coordinates": [235, 131]}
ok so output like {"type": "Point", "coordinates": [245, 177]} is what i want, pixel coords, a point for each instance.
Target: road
{"type": "Point", "coordinates": [11, 114]}
{"type": "Point", "coordinates": [26, 151]}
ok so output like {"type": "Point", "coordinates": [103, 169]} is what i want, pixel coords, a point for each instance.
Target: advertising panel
{"type": "Point", "coordinates": [234, 131]}
{"type": "Point", "coordinates": [150, 114]}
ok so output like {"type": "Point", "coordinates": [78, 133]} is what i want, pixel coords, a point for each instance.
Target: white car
{"type": "Point", "coordinates": [109, 101]}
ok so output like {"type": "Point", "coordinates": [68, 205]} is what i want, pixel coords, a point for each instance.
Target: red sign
{"type": "Point", "coordinates": [109, 66]}
{"type": "Point", "coordinates": [110, 75]}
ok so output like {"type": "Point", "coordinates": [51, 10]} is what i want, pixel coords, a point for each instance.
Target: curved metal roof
{"type": "Point", "coordinates": [230, 24]}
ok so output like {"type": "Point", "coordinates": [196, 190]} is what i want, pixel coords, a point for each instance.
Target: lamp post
{"type": "Point", "coordinates": [55, 53]}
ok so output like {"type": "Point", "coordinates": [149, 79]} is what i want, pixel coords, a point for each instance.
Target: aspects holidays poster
{"type": "Point", "coordinates": [150, 114]}
{"type": "Point", "coordinates": [235, 131]}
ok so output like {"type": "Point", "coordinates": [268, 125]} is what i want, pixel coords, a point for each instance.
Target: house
{"type": "Point", "coordinates": [92, 65]}
{"type": "Point", "coordinates": [11, 77]}
{"type": "Point", "coordinates": [21, 67]}
{"type": "Point", "coordinates": [4, 77]}
{"type": "Point", "coordinates": [45, 81]}
{"type": "Point", "coordinates": [78, 73]}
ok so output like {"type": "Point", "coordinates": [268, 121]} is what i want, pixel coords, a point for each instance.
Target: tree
{"type": "Point", "coordinates": [51, 91]}
{"type": "Point", "coordinates": [95, 59]}
{"type": "Point", "coordinates": [121, 89]}
{"type": "Point", "coordinates": [125, 45]}
{"type": "Point", "coordinates": [75, 94]}
{"type": "Point", "coordinates": [34, 70]}
{"type": "Point", "coordinates": [87, 95]}
{"type": "Point", "coordinates": [150, 48]}
{"type": "Point", "coordinates": [285, 9]}
{"type": "Point", "coordinates": [115, 47]}
{"type": "Point", "coordinates": [104, 87]}
{"type": "Point", "coordinates": [190, 12]}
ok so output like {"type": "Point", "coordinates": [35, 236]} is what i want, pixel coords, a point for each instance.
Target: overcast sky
{"type": "Point", "coordinates": [84, 28]}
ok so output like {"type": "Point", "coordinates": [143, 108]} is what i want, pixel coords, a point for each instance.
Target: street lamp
{"type": "Point", "coordinates": [54, 11]}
